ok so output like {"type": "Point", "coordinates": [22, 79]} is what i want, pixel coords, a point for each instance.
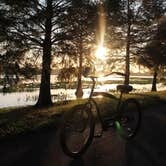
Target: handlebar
{"type": "Point", "coordinates": [93, 78]}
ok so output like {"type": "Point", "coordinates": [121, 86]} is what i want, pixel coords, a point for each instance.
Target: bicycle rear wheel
{"type": "Point", "coordinates": [130, 119]}
{"type": "Point", "coordinates": [77, 130]}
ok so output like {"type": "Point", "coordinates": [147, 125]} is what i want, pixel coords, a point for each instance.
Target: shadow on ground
{"type": "Point", "coordinates": [43, 149]}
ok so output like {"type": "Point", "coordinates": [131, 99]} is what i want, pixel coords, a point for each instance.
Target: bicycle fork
{"type": "Point", "coordinates": [111, 122]}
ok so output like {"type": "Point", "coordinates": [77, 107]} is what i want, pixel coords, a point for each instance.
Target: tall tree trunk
{"type": "Point", "coordinates": [127, 59]}
{"type": "Point", "coordinates": [44, 93]}
{"type": "Point", "coordinates": [79, 91]}
{"type": "Point", "coordinates": [154, 82]}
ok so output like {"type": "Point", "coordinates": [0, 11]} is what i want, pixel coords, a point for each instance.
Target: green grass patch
{"type": "Point", "coordinates": [149, 99]}
{"type": "Point", "coordinates": [20, 120]}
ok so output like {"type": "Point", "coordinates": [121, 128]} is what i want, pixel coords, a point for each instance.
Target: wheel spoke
{"type": "Point", "coordinates": [77, 130]}
{"type": "Point", "coordinates": [130, 118]}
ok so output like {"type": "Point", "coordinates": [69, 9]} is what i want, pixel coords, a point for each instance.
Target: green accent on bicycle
{"type": "Point", "coordinates": [119, 128]}
{"type": "Point", "coordinates": [117, 124]}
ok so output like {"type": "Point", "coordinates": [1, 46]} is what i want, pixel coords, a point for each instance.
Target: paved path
{"type": "Point", "coordinates": [148, 148]}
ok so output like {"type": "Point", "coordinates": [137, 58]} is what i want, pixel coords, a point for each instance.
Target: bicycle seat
{"type": "Point", "coordinates": [124, 88]}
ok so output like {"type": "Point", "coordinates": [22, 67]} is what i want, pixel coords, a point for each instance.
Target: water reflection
{"type": "Point", "coordinates": [30, 98]}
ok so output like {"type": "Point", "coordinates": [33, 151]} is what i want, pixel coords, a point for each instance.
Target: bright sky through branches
{"type": "Point", "coordinates": [100, 52]}
{"type": "Point", "coordinates": [102, 25]}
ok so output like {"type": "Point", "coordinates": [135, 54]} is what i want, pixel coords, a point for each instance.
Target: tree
{"type": "Point", "coordinates": [131, 23]}
{"type": "Point", "coordinates": [15, 64]}
{"type": "Point", "coordinates": [66, 74]}
{"type": "Point", "coordinates": [151, 49]}
{"type": "Point", "coordinates": [80, 27]}
{"type": "Point", "coordinates": [36, 24]}
{"type": "Point", "coordinates": [122, 16]}
{"type": "Point", "coordinates": [12, 55]}
{"type": "Point", "coordinates": [154, 54]}
{"type": "Point", "coordinates": [154, 59]}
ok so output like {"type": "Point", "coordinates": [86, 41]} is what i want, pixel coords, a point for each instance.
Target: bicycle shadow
{"type": "Point", "coordinates": [77, 161]}
{"type": "Point", "coordinates": [148, 146]}
{"type": "Point", "coordinates": [135, 150]}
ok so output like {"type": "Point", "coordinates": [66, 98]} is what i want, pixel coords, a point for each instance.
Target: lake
{"type": "Point", "coordinates": [29, 98]}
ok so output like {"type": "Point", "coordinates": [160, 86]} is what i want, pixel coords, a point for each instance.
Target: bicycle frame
{"type": "Point", "coordinates": [92, 88]}
{"type": "Point", "coordinates": [101, 94]}
{"type": "Point", "coordinates": [88, 121]}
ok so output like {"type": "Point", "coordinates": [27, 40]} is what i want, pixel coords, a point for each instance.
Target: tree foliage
{"type": "Point", "coordinates": [79, 25]}
{"type": "Point", "coordinates": [154, 54]}
{"type": "Point", "coordinates": [131, 24]}
{"type": "Point", "coordinates": [36, 24]}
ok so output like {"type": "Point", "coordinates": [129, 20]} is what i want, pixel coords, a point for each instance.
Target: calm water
{"type": "Point", "coordinates": [30, 98]}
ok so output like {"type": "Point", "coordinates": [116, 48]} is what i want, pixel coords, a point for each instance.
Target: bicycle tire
{"type": "Point", "coordinates": [88, 121]}
{"type": "Point", "coordinates": [130, 107]}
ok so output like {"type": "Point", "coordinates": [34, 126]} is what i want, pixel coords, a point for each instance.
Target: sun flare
{"type": "Point", "coordinates": [101, 52]}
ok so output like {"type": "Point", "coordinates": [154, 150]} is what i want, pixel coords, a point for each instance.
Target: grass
{"type": "Point", "coordinates": [150, 98]}
{"type": "Point", "coordinates": [20, 120]}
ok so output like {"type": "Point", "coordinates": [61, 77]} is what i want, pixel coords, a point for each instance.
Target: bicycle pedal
{"type": "Point", "coordinates": [108, 124]}
{"type": "Point", "coordinates": [111, 124]}
{"type": "Point", "coordinates": [98, 135]}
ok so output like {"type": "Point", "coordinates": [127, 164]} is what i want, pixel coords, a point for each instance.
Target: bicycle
{"type": "Point", "coordinates": [78, 129]}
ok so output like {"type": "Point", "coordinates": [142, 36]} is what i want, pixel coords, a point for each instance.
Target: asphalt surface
{"type": "Point", "coordinates": [148, 148]}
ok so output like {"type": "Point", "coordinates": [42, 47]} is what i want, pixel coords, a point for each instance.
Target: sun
{"type": "Point", "coordinates": [100, 52]}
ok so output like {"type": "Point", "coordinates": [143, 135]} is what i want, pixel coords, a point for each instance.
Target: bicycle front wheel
{"type": "Point", "coordinates": [130, 118]}
{"type": "Point", "coordinates": [77, 130]}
